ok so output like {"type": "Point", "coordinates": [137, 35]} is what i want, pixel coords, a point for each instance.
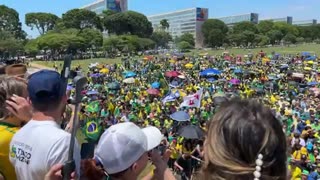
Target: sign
{"type": "Point", "coordinates": [202, 14]}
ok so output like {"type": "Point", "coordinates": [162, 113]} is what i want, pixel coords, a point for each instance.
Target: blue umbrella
{"type": "Point", "coordinates": [95, 75]}
{"type": "Point", "coordinates": [92, 92]}
{"type": "Point", "coordinates": [155, 85]}
{"type": "Point", "coordinates": [210, 72]}
{"type": "Point", "coordinates": [130, 74]}
{"type": "Point", "coordinates": [237, 71]}
{"type": "Point", "coordinates": [312, 83]}
{"type": "Point", "coordinates": [211, 80]}
{"type": "Point", "coordinates": [305, 54]}
{"type": "Point", "coordinates": [311, 58]}
{"type": "Point", "coordinates": [180, 116]}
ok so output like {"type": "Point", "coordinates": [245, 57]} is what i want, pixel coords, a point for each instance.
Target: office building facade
{"type": "Point", "coordinates": [305, 22]}
{"type": "Point", "coordinates": [100, 5]}
{"type": "Point", "coordinates": [287, 20]}
{"type": "Point", "coordinates": [232, 20]}
{"type": "Point", "coordinates": [184, 21]}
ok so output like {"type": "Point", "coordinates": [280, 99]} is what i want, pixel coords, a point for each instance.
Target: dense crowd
{"type": "Point", "coordinates": [189, 108]}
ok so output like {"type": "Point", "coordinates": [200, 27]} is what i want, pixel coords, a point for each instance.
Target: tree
{"type": "Point", "coordinates": [262, 40]}
{"type": "Point", "coordinates": [164, 24]}
{"type": "Point", "coordinates": [81, 19]}
{"type": "Point", "coordinates": [248, 37]}
{"type": "Point", "coordinates": [183, 45]}
{"type": "Point", "coordinates": [161, 38]}
{"type": "Point", "coordinates": [290, 38]}
{"type": "Point", "coordinates": [92, 38]}
{"type": "Point", "coordinates": [9, 45]}
{"type": "Point", "coordinates": [44, 22]}
{"type": "Point", "coordinates": [128, 22]}
{"type": "Point", "coordinates": [286, 28]}
{"type": "Point", "coordinates": [214, 32]}
{"type": "Point", "coordinates": [31, 47]}
{"type": "Point", "coordinates": [275, 36]}
{"type": "Point", "coordinates": [265, 26]}
{"type": "Point", "coordinates": [244, 26]}
{"type": "Point", "coordinates": [9, 22]}
{"type": "Point", "coordinates": [186, 37]}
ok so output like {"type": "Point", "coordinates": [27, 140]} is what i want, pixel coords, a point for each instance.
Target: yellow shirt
{"type": "Point", "coordinates": [174, 151]}
{"type": "Point", "coordinates": [6, 133]}
{"type": "Point", "coordinates": [295, 173]}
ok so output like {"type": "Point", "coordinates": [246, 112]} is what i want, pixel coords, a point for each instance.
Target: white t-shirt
{"type": "Point", "coordinates": [39, 145]}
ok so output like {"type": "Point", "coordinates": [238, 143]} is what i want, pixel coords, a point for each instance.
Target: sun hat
{"type": "Point", "coordinates": [123, 144]}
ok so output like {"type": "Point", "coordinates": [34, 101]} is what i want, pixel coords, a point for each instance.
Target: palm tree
{"type": "Point", "coordinates": [164, 24]}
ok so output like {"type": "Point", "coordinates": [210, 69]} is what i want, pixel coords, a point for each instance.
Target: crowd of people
{"type": "Point", "coordinates": [166, 116]}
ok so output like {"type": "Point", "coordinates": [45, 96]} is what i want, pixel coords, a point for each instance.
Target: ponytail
{"type": "Point", "coordinates": [91, 171]}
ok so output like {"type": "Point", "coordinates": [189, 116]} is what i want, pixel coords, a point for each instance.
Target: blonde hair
{"type": "Point", "coordinates": [9, 86]}
{"type": "Point", "coordinates": [237, 134]}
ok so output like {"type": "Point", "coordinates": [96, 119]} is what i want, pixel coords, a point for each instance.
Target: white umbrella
{"type": "Point", "coordinates": [129, 80]}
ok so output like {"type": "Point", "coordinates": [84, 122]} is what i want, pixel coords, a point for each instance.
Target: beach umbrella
{"type": "Point", "coordinates": [238, 71]}
{"type": "Point", "coordinates": [153, 91]}
{"type": "Point", "coordinates": [95, 75]}
{"type": "Point", "coordinates": [113, 86]}
{"type": "Point", "coordinates": [307, 68]}
{"type": "Point", "coordinates": [210, 72]}
{"type": "Point", "coordinates": [180, 116]}
{"type": "Point", "coordinates": [155, 85]}
{"type": "Point", "coordinates": [172, 74]}
{"type": "Point", "coordinates": [313, 83]}
{"type": "Point", "coordinates": [130, 74]}
{"type": "Point", "coordinates": [305, 54]}
{"type": "Point", "coordinates": [191, 132]}
{"type": "Point", "coordinates": [235, 81]}
{"type": "Point", "coordinates": [129, 80]}
{"type": "Point", "coordinates": [211, 80]}
{"type": "Point", "coordinates": [92, 93]}
{"type": "Point", "coordinates": [104, 71]}
{"type": "Point", "coordinates": [189, 66]}
{"type": "Point", "coordinates": [182, 76]}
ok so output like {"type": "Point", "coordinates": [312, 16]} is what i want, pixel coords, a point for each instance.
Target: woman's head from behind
{"type": "Point", "coordinates": [10, 86]}
{"type": "Point", "coordinates": [241, 132]}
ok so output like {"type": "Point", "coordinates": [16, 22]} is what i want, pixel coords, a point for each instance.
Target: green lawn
{"type": "Point", "coordinates": [83, 63]}
{"type": "Point", "coordinates": [312, 48]}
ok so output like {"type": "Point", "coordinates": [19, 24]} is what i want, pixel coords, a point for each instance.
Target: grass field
{"type": "Point", "coordinates": [312, 48]}
{"type": "Point", "coordinates": [83, 63]}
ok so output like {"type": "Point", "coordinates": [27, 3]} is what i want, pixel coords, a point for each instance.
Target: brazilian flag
{"type": "Point", "coordinates": [92, 130]}
{"type": "Point", "coordinates": [93, 107]}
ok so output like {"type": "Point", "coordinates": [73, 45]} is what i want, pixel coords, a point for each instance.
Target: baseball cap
{"type": "Point", "coordinates": [123, 144]}
{"type": "Point", "coordinates": [45, 85]}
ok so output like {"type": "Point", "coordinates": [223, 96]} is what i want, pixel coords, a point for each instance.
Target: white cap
{"type": "Point", "coordinates": [123, 144]}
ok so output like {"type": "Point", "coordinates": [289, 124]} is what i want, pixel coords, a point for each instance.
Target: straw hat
{"type": "Point", "coordinates": [19, 70]}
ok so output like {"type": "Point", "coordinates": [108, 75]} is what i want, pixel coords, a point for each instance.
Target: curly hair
{"type": "Point", "coordinates": [237, 134]}
{"type": "Point", "coordinates": [9, 86]}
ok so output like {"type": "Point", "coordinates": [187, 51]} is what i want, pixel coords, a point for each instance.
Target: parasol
{"type": "Point", "coordinates": [180, 116]}
{"type": "Point", "coordinates": [191, 132]}
{"type": "Point", "coordinates": [155, 85]}
{"type": "Point", "coordinates": [189, 65]}
{"type": "Point", "coordinates": [113, 86]}
{"type": "Point", "coordinates": [210, 72]}
{"type": "Point", "coordinates": [235, 81]}
{"type": "Point", "coordinates": [104, 71]}
{"type": "Point", "coordinates": [129, 80]}
{"type": "Point", "coordinates": [172, 74]}
{"type": "Point", "coordinates": [153, 91]}
{"type": "Point", "coordinates": [130, 74]}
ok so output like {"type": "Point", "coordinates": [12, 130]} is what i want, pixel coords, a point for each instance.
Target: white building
{"type": "Point", "coordinates": [305, 22]}
{"type": "Point", "coordinates": [231, 20]}
{"type": "Point", "coordinates": [287, 20]}
{"type": "Point", "coordinates": [100, 5]}
{"type": "Point", "coordinates": [183, 21]}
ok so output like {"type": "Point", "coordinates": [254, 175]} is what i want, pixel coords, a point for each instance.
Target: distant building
{"type": "Point", "coordinates": [231, 20]}
{"type": "Point", "coordinates": [287, 20]}
{"type": "Point", "coordinates": [183, 21]}
{"type": "Point", "coordinates": [100, 5]}
{"type": "Point", "coordinates": [305, 22]}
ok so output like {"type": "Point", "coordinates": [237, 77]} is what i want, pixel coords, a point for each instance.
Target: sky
{"type": "Point", "coordinates": [299, 9]}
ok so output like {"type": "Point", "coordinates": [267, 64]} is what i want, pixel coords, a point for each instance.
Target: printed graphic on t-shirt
{"type": "Point", "coordinates": [21, 152]}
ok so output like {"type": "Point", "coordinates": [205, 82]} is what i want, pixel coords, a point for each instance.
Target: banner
{"type": "Point", "coordinates": [193, 100]}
